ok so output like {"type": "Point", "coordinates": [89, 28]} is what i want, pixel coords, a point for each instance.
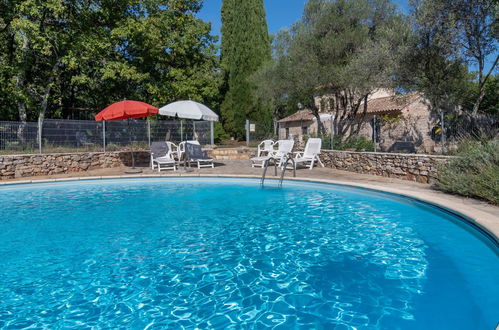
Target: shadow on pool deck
{"type": "Point", "coordinates": [485, 215]}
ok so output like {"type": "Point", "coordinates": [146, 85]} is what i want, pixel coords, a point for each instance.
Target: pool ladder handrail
{"type": "Point", "coordinates": [266, 164]}
{"type": "Point", "coordinates": [285, 167]}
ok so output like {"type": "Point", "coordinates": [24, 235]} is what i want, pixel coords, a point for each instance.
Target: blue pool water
{"type": "Point", "coordinates": [213, 253]}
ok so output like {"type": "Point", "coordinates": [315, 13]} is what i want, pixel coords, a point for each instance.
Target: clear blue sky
{"type": "Point", "coordinates": [280, 13]}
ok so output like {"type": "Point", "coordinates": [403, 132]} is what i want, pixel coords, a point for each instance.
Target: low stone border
{"type": "Point", "coordinates": [473, 215]}
{"type": "Point", "coordinates": [413, 167]}
{"type": "Point", "coordinates": [232, 153]}
{"type": "Point", "coordinates": [18, 166]}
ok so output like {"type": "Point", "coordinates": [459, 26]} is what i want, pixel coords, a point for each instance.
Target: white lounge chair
{"type": "Point", "coordinates": [181, 147]}
{"type": "Point", "coordinates": [311, 154]}
{"type": "Point", "coordinates": [161, 157]}
{"type": "Point", "coordinates": [194, 153]}
{"type": "Point", "coordinates": [284, 148]}
{"type": "Point", "coordinates": [173, 149]}
{"type": "Point", "coordinates": [266, 146]}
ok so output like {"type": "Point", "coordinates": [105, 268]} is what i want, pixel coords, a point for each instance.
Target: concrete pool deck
{"type": "Point", "coordinates": [482, 214]}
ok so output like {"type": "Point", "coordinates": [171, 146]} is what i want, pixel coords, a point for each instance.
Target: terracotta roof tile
{"type": "Point", "coordinates": [380, 105]}
{"type": "Point", "coordinates": [302, 115]}
{"type": "Point", "coordinates": [391, 103]}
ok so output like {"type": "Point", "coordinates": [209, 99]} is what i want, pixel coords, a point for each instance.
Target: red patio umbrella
{"type": "Point", "coordinates": [125, 110]}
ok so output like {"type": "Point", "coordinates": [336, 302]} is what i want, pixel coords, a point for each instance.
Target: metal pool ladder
{"type": "Point", "coordinates": [283, 168]}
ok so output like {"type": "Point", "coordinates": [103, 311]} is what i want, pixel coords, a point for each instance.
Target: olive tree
{"type": "Point", "coordinates": [339, 53]}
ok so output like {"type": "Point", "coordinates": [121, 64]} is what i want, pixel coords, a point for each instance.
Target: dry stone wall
{"type": "Point", "coordinates": [16, 166]}
{"type": "Point", "coordinates": [232, 153]}
{"type": "Point", "coordinates": [413, 167]}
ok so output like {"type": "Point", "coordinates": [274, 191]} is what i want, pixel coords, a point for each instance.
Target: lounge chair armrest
{"type": "Point", "coordinates": [299, 154]}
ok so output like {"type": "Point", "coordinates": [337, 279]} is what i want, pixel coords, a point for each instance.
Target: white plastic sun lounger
{"type": "Point", "coordinates": [311, 154]}
{"type": "Point", "coordinates": [181, 147]}
{"type": "Point", "coordinates": [161, 157]}
{"type": "Point", "coordinates": [173, 149]}
{"type": "Point", "coordinates": [266, 146]}
{"type": "Point", "coordinates": [194, 153]}
{"type": "Point", "coordinates": [284, 149]}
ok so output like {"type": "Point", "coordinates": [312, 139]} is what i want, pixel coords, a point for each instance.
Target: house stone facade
{"type": "Point", "coordinates": [402, 123]}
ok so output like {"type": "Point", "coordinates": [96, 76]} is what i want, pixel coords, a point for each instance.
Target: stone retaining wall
{"type": "Point", "coordinates": [420, 168]}
{"type": "Point", "coordinates": [413, 167]}
{"type": "Point", "coordinates": [16, 166]}
{"type": "Point", "coordinates": [232, 153]}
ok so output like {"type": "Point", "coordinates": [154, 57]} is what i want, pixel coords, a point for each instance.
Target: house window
{"type": "Point", "coordinates": [304, 130]}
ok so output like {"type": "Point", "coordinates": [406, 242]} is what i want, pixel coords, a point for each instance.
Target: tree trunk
{"type": "Point", "coordinates": [481, 86]}
{"type": "Point", "coordinates": [320, 126]}
{"type": "Point", "coordinates": [21, 109]}
{"type": "Point", "coordinates": [20, 80]}
{"type": "Point", "coordinates": [358, 121]}
{"type": "Point", "coordinates": [45, 97]}
{"type": "Point", "coordinates": [43, 105]}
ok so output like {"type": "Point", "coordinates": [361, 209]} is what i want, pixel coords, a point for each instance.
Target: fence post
{"type": "Point", "coordinates": [149, 132]}
{"type": "Point", "coordinates": [442, 134]}
{"type": "Point", "coordinates": [104, 135]}
{"type": "Point", "coordinates": [212, 134]}
{"type": "Point", "coordinates": [181, 130]}
{"type": "Point", "coordinates": [40, 124]}
{"type": "Point", "coordinates": [332, 133]}
{"type": "Point", "coordinates": [247, 132]}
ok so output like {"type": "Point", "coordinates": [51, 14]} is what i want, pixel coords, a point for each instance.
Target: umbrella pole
{"type": "Point", "coordinates": [131, 143]}
{"type": "Point", "coordinates": [133, 170]}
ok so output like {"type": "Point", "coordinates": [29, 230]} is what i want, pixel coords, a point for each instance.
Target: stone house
{"type": "Point", "coordinates": [302, 122]}
{"type": "Point", "coordinates": [402, 123]}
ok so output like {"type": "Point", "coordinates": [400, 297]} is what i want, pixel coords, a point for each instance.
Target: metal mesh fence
{"type": "Point", "coordinates": [126, 132]}
{"type": "Point", "coordinates": [59, 135]}
{"type": "Point", "coordinates": [178, 131]}
{"type": "Point", "coordinates": [437, 134]}
{"type": "Point", "coordinates": [16, 137]}
{"type": "Point", "coordinates": [71, 135]}
{"type": "Point", "coordinates": [256, 132]}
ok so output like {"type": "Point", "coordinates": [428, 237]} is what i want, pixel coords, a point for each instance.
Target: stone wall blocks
{"type": "Point", "coordinates": [420, 168]}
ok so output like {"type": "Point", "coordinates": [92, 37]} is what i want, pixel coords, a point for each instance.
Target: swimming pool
{"type": "Point", "coordinates": [216, 253]}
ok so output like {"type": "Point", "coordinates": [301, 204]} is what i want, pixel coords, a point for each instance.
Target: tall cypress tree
{"type": "Point", "coordinates": [245, 47]}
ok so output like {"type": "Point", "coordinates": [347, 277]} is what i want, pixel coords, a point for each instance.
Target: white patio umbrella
{"type": "Point", "coordinates": [188, 110]}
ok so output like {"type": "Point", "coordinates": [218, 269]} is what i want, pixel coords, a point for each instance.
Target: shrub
{"type": "Point", "coordinates": [474, 172]}
{"type": "Point", "coordinates": [363, 144]}
{"type": "Point", "coordinates": [219, 133]}
{"type": "Point", "coordinates": [340, 143]}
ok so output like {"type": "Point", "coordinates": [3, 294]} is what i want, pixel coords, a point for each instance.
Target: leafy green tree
{"type": "Point", "coordinates": [449, 36]}
{"type": "Point", "coordinates": [490, 101]}
{"type": "Point", "coordinates": [59, 55]}
{"type": "Point", "coordinates": [245, 48]}
{"type": "Point", "coordinates": [339, 52]}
